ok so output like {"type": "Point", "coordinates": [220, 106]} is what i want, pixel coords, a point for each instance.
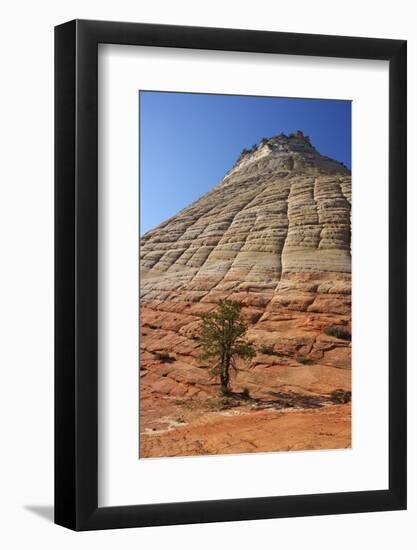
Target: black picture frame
{"type": "Point", "coordinates": [76, 273]}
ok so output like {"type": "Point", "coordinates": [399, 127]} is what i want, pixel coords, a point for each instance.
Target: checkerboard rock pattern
{"type": "Point", "coordinates": [274, 234]}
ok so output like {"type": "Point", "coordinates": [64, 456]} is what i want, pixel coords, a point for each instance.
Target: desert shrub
{"type": "Point", "coordinates": [338, 332]}
{"type": "Point", "coordinates": [341, 396]}
{"type": "Point", "coordinates": [164, 357]}
{"type": "Point", "coordinates": [245, 393]}
{"type": "Point", "coordinates": [269, 350]}
{"type": "Point", "coordinates": [151, 325]}
{"type": "Point", "coordinates": [303, 359]}
{"type": "Point", "coordinates": [243, 153]}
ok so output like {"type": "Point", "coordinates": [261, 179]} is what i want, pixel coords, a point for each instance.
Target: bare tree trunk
{"type": "Point", "coordinates": [225, 376]}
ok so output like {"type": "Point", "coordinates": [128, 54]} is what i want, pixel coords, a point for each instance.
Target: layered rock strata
{"type": "Point", "coordinates": [274, 234]}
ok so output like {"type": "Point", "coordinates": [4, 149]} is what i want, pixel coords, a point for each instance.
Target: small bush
{"type": "Point", "coordinates": [303, 359]}
{"type": "Point", "coordinates": [341, 396]}
{"type": "Point", "coordinates": [338, 332]}
{"type": "Point", "coordinates": [269, 350]}
{"type": "Point", "coordinates": [245, 393]}
{"type": "Point", "coordinates": [165, 357]}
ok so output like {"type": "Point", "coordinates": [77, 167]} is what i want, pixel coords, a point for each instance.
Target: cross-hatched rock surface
{"type": "Point", "coordinates": [274, 234]}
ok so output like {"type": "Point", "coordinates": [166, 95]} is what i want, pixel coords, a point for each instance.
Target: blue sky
{"type": "Point", "coordinates": [189, 141]}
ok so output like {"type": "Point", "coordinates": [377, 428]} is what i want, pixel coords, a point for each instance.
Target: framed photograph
{"type": "Point", "coordinates": [230, 252]}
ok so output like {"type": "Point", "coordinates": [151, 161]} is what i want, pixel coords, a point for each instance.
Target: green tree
{"type": "Point", "coordinates": [222, 342]}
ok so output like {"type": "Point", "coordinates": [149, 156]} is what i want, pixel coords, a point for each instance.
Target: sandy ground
{"type": "Point", "coordinates": [243, 429]}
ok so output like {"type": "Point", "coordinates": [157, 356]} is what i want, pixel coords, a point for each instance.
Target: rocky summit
{"type": "Point", "coordinates": [275, 235]}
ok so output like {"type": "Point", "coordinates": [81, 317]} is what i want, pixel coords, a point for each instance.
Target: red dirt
{"type": "Point", "coordinates": [242, 430]}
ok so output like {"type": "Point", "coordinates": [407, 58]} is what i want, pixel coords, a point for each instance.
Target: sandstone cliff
{"type": "Point", "coordinates": [275, 235]}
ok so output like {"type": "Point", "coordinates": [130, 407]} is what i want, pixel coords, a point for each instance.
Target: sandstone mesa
{"type": "Point", "coordinates": [274, 234]}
